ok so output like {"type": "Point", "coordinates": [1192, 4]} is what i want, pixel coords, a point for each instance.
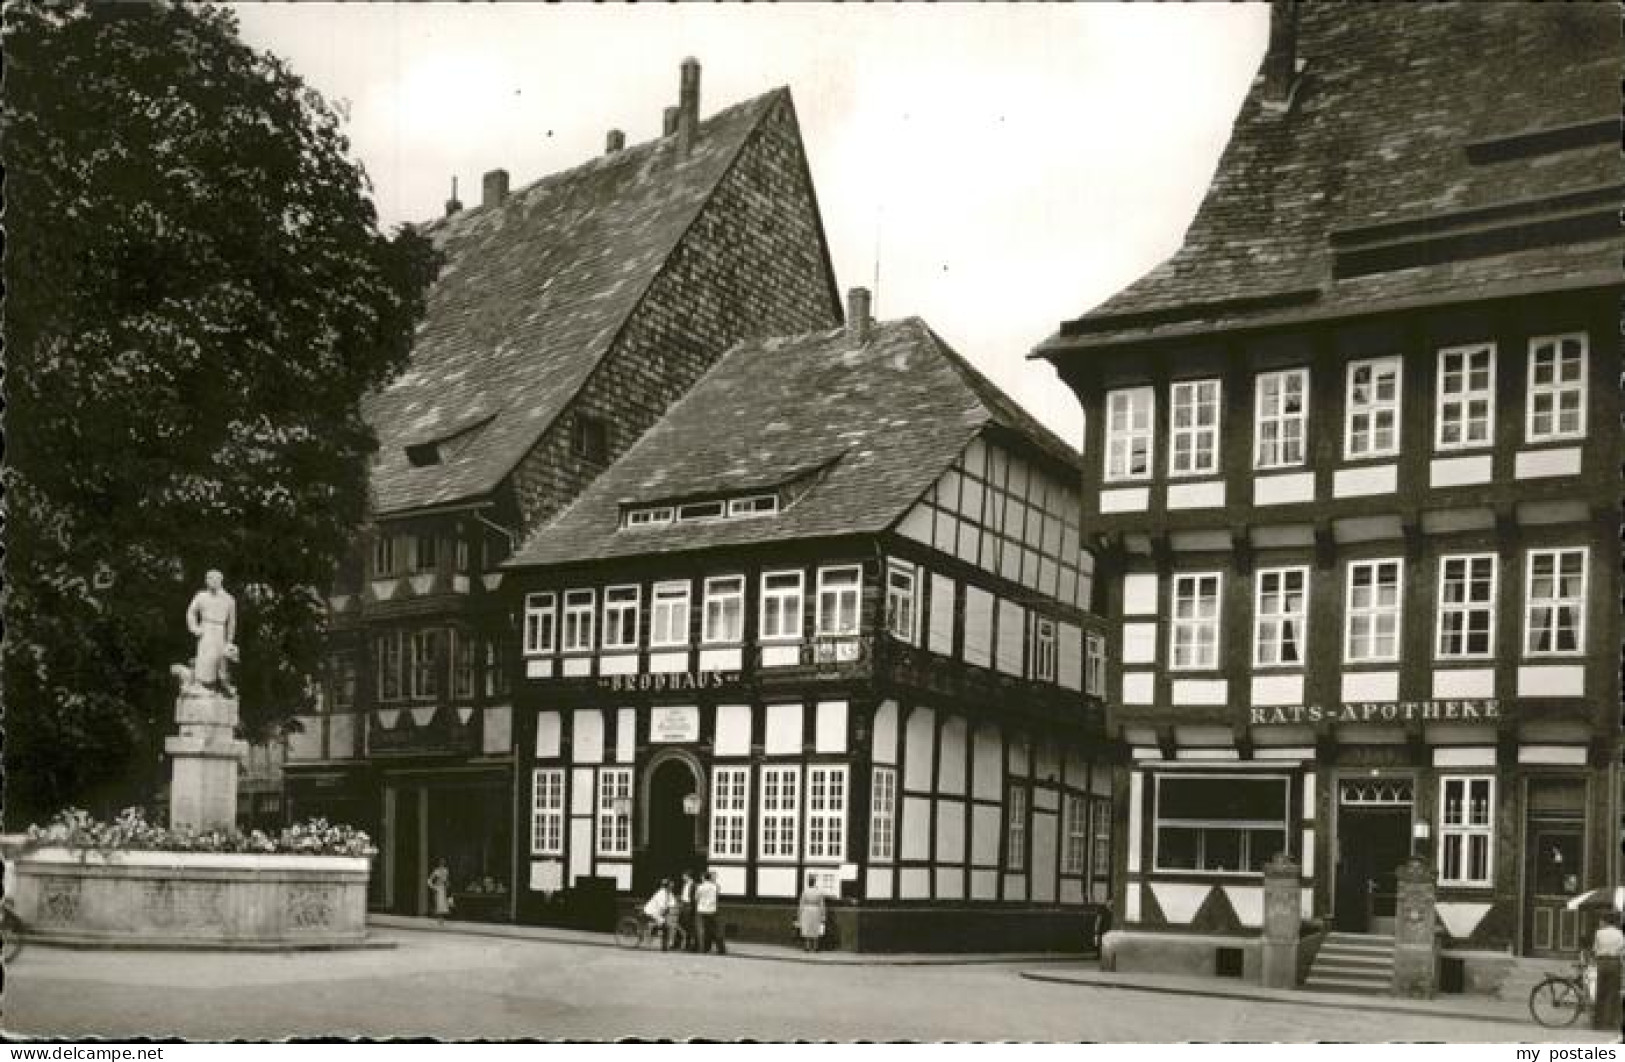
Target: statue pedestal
{"type": "Point", "coordinates": [205, 757]}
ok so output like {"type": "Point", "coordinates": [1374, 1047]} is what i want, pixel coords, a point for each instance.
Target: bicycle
{"type": "Point", "coordinates": [1560, 999]}
{"type": "Point", "coordinates": [635, 930]}
{"type": "Point", "coordinates": [11, 931]}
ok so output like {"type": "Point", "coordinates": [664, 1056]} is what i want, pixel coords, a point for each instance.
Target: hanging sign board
{"type": "Point", "coordinates": [674, 725]}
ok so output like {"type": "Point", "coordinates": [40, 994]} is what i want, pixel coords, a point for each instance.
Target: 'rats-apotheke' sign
{"type": "Point", "coordinates": [1468, 710]}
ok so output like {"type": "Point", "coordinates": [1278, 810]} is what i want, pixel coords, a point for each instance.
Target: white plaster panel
{"type": "Point", "coordinates": [1284, 490]}
{"type": "Point", "coordinates": [918, 762]}
{"type": "Point", "coordinates": [580, 848]}
{"type": "Point", "coordinates": [1015, 886]}
{"type": "Point", "coordinates": [577, 666]}
{"type": "Point", "coordinates": [618, 664]}
{"type": "Point", "coordinates": [1048, 760]}
{"type": "Point", "coordinates": [1045, 799]}
{"type": "Point", "coordinates": [621, 872]}
{"type": "Point", "coordinates": [1146, 753]}
{"type": "Point", "coordinates": [496, 734]}
{"type": "Point", "coordinates": [1460, 919]}
{"type": "Point", "coordinates": [1100, 783]}
{"type": "Point", "coordinates": [1213, 755]}
{"type": "Point", "coordinates": [1308, 853]}
{"type": "Point", "coordinates": [1136, 808]}
{"type": "Point", "coordinates": [548, 727]}
{"type": "Point", "coordinates": [306, 742]}
{"type": "Point", "coordinates": [978, 627]}
{"type": "Point", "coordinates": [1463, 756]}
{"type": "Point", "coordinates": [733, 730]}
{"type": "Point", "coordinates": [546, 875]}
{"type": "Point", "coordinates": [984, 833]}
{"type": "Point", "coordinates": [830, 727]}
{"type": "Point", "coordinates": [1464, 682]}
{"type": "Point", "coordinates": [1179, 902]}
{"type": "Point", "coordinates": [730, 880]}
{"type": "Point", "coordinates": [1044, 866]}
{"type": "Point", "coordinates": [1370, 686]}
{"type": "Point", "coordinates": [1309, 796]}
{"type": "Point", "coordinates": [1140, 643]}
{"type": "Point", "coordinates": [987, 764]}
{"type": "Point", "coordinates": [1074, 771]}
{"type": "Point", "coordinates": [984, 884]}
{"type": "Point", "coordinates": [951, 757]}
{"type": "Point", "coordinates": [776, 881]}
{"type": "Point", "coordinates": [1367, 479]}
{"type": "Point", "coordinates": [914, 832]}
{"type": "Point", "coordinates": [1018, 759]}
{"type": "Point", "coordinates": [1012, 641]}
{"type": "Point", "coordinates": [1248, 901]}
{"type": "Point", "coordinates": [1131, 902]}
{"type": "Point", "coordinates": [781, 655]}
{"type": "Point", "coordinates": [942, 615]}
{"type": "Point", "coordinates": [721, 659]}
{"type": "Point", "coordinates": [783, 729]}
{"type": "Point", "coordinates": [885, 738]}
{"type": "Point", "coordinates": [1537, 464]}
{"type": "Point", "coordinates": [538, 669]}
{"type": "Point", "coordinates": [1206, 495]}
{"type": "Point", "coordinates": [341, 743]}
{"type": "Point", "coordinates": [668, 663]}
{"type": "Point", "coordinates": [587, 732]}
{"type": "Point", "coordinates": [1269, 690]}
{"type": "Point", "coordinates": [1125, 500]}
{"type": "Point", "coordinates": [1201, 691]}
{"type": "Point", "coordinates": [581, 791]}
{"type": "Point", "coordinates": [1140, 594]}
{"type": "Point", "coordinates": [950, 883]}
{"type": "Point", "coordinates": [1570, 755]}
{"type": "Point", "coordinates": [1552, 680]}
{"type": "Point", "coordinates": [950, 831]}
{"type": "Point", "coordinates": [626, 734]}
{"type": "Point", "coordinates": [1069, 656]}
{"type": "Point", "coordinates": [878, 883]}
{"type": "Point", "coordinates": [1071, 890]}
{"type": "Point", "coordinates": [914, 883]}
{"type": "Point", "coordinates": [1139, 687]}
{"type": "Point", "coordinates": [1283, 753]}
{"type": "Point", "coordinates": [1459, 471]}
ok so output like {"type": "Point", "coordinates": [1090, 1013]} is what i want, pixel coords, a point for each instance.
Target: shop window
{"type": "Point", "coordinates": [1555, 603]}
{"type": "Point", "coordinates": [1372, 632]}
{"type": "Point", "coordinates": [1194, 632]}
{"type": "Point", "coordinates": [724, 610]}
{"type": "Point", "coordinates": [1557, 388]}
{"type": "Point", "coordinates": [781, 810]}
{"type": "Point", "coordinates": [1130, 432]}
{"type": "Point", "coordinates": [1371, 426]}
{"type": "Point", "coordinates": [615, 811]}
{"type": "Point", "coordinates": [1015, 828]}
{"type": "Point", "coordinates": [826, 812]}
{"type": "Point", "coordinates": [1220, 825]}
{"type": "Point", "coordinates": [1466, 408]}
{"type": "Point", "coordinates": [838, 592]}
{"type": "Point", "coordinates": [547, 812]}
{"type": "Point", "coordinates": [1194, 432]}
{"type": "Point", "coordinates": [668, 620]}
{"type": "Point", "coordinates": [902, 602]}
{"type": "Point", "coordinates": [883, 814]}
{"type": "Point", "coordinates": [1281, 617]}
{"type": "Point", "coordinates": [781, 606]}
{"type": "Point", "coordinates": [730, 811]}
{"type": "Point", "coordinates": [1281, 418]}
{"type": "Point", "coordinates": [541, 620]}
{"type": "Point", "coordinates": [1466, 606]}
{"type": "Point", "coordinates": [578, 617]}
{"type": "Point", "coordinates": [621, 617]}
{"type": "Point", "coordinates": [1076, 826]}
{"type": "Point", "coordinates": [1466, 831]}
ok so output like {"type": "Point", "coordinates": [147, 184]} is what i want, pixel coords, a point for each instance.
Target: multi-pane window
{"type": "Point", "coordinates": [668, 615]}
{"type": "Point", "coordinates": [1194, 433]}
{"type": "Point", "coordinates": [781, 606]}
{"type": "Point", "coordinates": [1466, 606]}
{"type": "Point", "coordinates": [1371, 425]}
{"type": "Point", "coordinates": [1130, 425]}
{"type": "Point", "coordinates": [724, 609]}
{"type": "Point", "coordinates": [1557, 388]}
{"type": "Point", "coordinates": [730, 811]}
{"type": "Point", "coordinates": [547, 812]}
{"type": "Point", "coordinates": [1282, 416]}
{"type": "Point", "coordinates": [462, 664]}
{"type": "Point", "coordinates": [424, 666]}
{"type": "Point", "coordinates": [578, 612]}
{"type": "Point", "coordinates": [541, 620]}
{"type": "Point", "coordinates": [383, 554]}
{"type": "Point", "coordinates": [883, 814]}
{"type": "Point", "coordinates": [1100, 838]}
{"type": "Point", "coordinates": [496, 669]}
{"type": "Point", "coordinates": [391, 665]}
{"type": "Point", "coordinates": [838, 590]}
{"type": "Point", "coordinates": [341, 682]}
{"type": "Point", "coordinates": [781, 808]}
{"type": "Point", "coordinates": [1372, 612]}
{"type": "Point", "coordinates": [1555, 603]}
{"type": "Point", "coordinates": [826, 812]}
{"type": "Point", "coordinates": [1280, 621]}
{"type": "Point", "coordinates": [1015, 827]}
{"type": "Point", "coordinates": [425, 553]}
{"type": "Point", "coordinates": [621, 617]}
{"type": "Point", "coordinates": [1076, 824]}
{"type": "Point", "coordinates": [1194, 633]}
{"type": "Point", "coordinates": [1094, 664]}
{"type": "Point", "coordinates": [902, 602]}
{"type": "Point", "coordinates": [1466, 412]}
{"type": "Point", "coordinates": [1466, 830]}
{"type": "Point", "coordinates": [1043, 649]}
{"type": "Point", "coordinates": [615, 811]}
{"type": "Point", "coordinates": [1233, 824]}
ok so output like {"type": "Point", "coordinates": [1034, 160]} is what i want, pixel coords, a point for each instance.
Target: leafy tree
{"type": "Point", "coordinates": [198, 298]}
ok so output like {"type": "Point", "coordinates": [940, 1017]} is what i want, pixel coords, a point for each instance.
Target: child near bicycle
{"type": "Point", "coordinates": [662, 912]}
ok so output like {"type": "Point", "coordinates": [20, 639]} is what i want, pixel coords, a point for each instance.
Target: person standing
{"type": "Point", "coordinates": [810, 915]}
{"type": "Point", "coordinates": [685, 913]}
{"type": "Point", "coordinates": [705, 910]}
{"type": "Point", "coordinates": [440, 890]}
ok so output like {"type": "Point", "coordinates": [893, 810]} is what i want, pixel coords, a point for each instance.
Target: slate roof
{"type": "Point", "coordinates": [532, 295]}
{"type": "Point", "coordinates": [1403, 113]}
{"type": "Point", "coordinates": [878, 421]}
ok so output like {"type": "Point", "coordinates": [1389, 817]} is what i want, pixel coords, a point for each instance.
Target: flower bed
{"type": "Point", "coordinates": [131, 832]}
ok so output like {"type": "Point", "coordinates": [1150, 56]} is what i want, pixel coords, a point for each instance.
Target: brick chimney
{"type": "Point", "coordinates": [668, 121]}
{"type": "Point", "coordinates": [858, 321]}
{"type": "Point", "coordinates": [615, 141]}
{"type": "Point", "coordinates": [688, 104]}
{"type": "Point", "coordinates": [1281, 60]}
{"type": "Point", "coordinates": [495, 188]}
{"type": "Point", "coordinates": [453, 205]}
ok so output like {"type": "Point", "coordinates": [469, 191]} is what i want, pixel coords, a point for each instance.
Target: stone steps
{"type": "Point", "coordinates": [1361, 963]}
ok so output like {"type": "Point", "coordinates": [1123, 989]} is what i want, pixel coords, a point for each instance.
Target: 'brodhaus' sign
{"type": "Point", "coordinates": [1460, 710]}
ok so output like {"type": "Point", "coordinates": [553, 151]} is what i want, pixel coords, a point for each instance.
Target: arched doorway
{"type": "Point", "coordinates": [672, 828]}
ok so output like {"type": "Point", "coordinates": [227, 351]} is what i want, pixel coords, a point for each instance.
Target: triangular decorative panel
{"type": "Point", "coordinates": [464, 715]}
{"type": "Point", "coordinates": [421, 716]}
{"type": "Point", "coordinates": [492, 581]}
{"type": "Point", "coordinates": [388, 717]}
{"type": "Point", "coordinates": [1248, 903]}
{"type": "Point", "coordinates": [1460, 919]}
{"type": "Point", "coordinates": [383, 589]}
{"type": "Point", "coordinates": [1179, 902]}
{"type": "Point", "coordinates": [422, 584]}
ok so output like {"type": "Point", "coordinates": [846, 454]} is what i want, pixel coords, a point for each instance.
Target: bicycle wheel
{"type": "Point", "coordinates": [11, 934]}
{"type": "Point", "coordinates": [1556, 1002]}
{"type": "Point", "coordinates": [629, 932]}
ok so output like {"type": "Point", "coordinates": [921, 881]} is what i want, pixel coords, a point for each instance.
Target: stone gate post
{"type": "Point", "coordinates": [1416, 945]}
{"type": "Point", "coordinates": [1283, 919]}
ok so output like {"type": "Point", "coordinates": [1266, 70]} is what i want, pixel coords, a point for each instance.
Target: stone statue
{"type": "Point", "coordinates": [212, 619]}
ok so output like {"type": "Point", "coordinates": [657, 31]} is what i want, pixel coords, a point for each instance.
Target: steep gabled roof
{"type": "Point", "coordinates": [531, 297]}
{"type": "Point", "coordinates": [1429, 152]}
{"type": "Point", "coordinates": [865, 426]}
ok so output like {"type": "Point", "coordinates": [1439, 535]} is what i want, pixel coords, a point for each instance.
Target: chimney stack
{"type": "Point", "coordinates": [453, 205]}
{"type": "Point", "coordinates": [495, 189]}
{"type": "Point", "coordinates": [668, 122]}
{"type": "Point", "coordinates": [688, 104]}
{"type": "Point", "coordinates": [615, 141]}
{"type": "Point", "coordinates": [1281, 60]}
{"type": "Point", "coordinates": [858, 320]}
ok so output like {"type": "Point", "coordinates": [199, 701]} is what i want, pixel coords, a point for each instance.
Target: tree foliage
{"type": "Point", "coordinates": [198, 297]}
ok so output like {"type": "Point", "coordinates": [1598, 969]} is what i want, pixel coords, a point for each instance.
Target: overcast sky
{"type": "Point", "coordinates": [1004, 167]}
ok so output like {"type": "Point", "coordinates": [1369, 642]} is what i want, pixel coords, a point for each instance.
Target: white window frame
{"type": "Point", "coordinates": [1556, 388]}
{"type": "Point", "coordinates": [424, 661]}
{"type": "Point", "coordinates": [1121, 441]}
{"type": "Point", "coordinates": [1190, 391]}
{"type": "Point", "coordinates": [541, 623]}
{"type": "Point", "coordinates": [779, 820]}
{"type": "Point", "coordinates": [1373, 613]}
{"type": "Point", "coordinates": [384, 558]}
{"type": "Point", "coordinates": [1466, 607]}
{"type": "Point", "coordinates": [755, 505]}
{"type": "Point", "coordinates": [1281, 419]}
{"type": "Point", "coordinates": [1243, 826]}
{"type": "Point", "coordinates": [1075, 835]}
{"type": "Point", "coordinates": [1373, 407]}
{"type": "Point", "coordinates": [650, 517]}
{"type": "Point", "coordinates": [1196, 624]}
{"type": "Point", "coordinates": [1015, 827]}
{"type": "Point", "coordinates": [618, 601]}
{"type": "Point", "coordinates": [828, 795]}
{"type": "Point", "coordinates": [730, 811]}
{"type": "Point", "coordinates": [547, 811]}
{"type": "Point", "coordinates": [831, 601]}
{"type": "Point", "coordinates": [669, 607]}
{"type": "Point", "coordinates": [1557, 602]}
{"type": "Point", "coordinates": [698, 511]}
{"type": "Point", "coordinates": [903, 601]}
{"type": "Point", "coordinates": [1270, 626]}
{"type": "Point", "coordinates": [1459, 403]}
{"type": "Point", "coordinates": [1100, 839]}
{"type": "Point", "coordinates": [792, 604]}
{"type": "Point", "coordinates": [1094, 664]}
{"type": "Point", "coordinates": [883, 814]}
{"type": "Point", "coordinates": [614, 828]}
{"type": "Point", "coordinates": [391, 671]}
{"type": "Point", "coordinates": [1045, 649]}
{"type": "Point", "coordinates": [719, 593]}
{"type": "Point", "coordinates": [576, 627]}
{"type": "Point", "coordinates": [1475, 823]}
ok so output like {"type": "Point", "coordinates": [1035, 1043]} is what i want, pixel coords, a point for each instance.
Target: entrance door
{"type": "Point", "coordinates": [1554, 866]}
{"type": "Point", "coordinates": [1373, 839]}
{"type": "Point", "coordinates": [671, 848]}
